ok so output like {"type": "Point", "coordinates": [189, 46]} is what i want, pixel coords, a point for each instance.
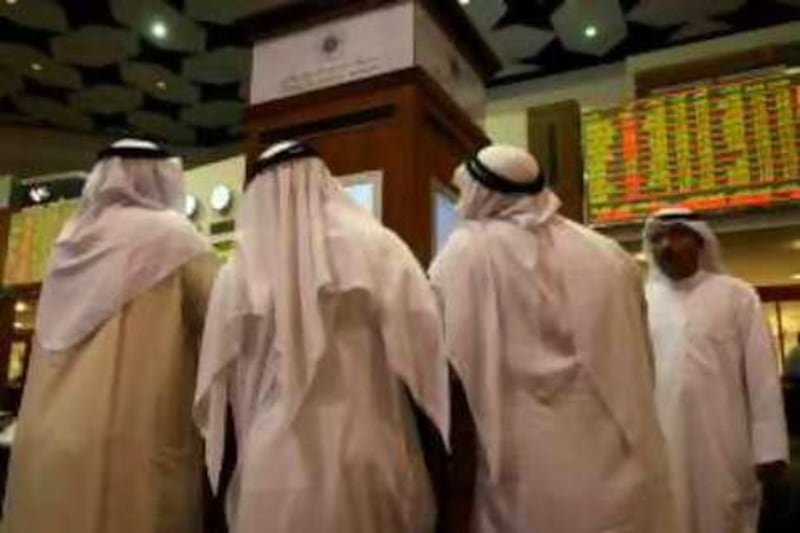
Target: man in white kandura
{"type": "Point", "coordinates": [545, 327]}
{"type": "Point", "coordinates": [106, 441]}
{"type": "Point", "coordinates": [718, 391]}
{"type": "Point", "coordinates": [316, 329]}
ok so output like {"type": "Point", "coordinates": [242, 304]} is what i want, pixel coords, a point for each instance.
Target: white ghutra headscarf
{"type": "Point", "coordinates": [506, 234]}
{"type": "Point", "coordinates": [128, 235]}
{"type": "Point", "coordinates": [301, 244]}
{"type": "Point", "coordinates": [710, 255]}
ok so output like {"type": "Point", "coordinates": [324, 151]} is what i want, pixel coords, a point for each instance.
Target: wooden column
{"type": "Point", "coordinates": [554, 137]}
{"type": "Point", "coordinates": [400, 123]}
{"type": "Point", "coordinates": [403, 104]}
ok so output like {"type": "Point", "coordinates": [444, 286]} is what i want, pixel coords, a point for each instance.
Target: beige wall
{"type": "Point", "coordinates": [508, 128]}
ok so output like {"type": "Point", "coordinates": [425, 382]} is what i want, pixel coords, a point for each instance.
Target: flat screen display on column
{"type": "Point", "coordinates": [365, 189]}
{"type": "Point", "coordinates": [445, 216]}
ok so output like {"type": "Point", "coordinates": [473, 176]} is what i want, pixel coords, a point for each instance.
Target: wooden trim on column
{"type": "Point", "coordinates": [294, 17]}
{"type": "Point", "coordinates": [410, 76]}
{"type": "Point", "coordinates": [723, 65]}
{"type": "Point", "coordinates": [779, 293]}
{"type": "Point", "coordinates": [353, 119]}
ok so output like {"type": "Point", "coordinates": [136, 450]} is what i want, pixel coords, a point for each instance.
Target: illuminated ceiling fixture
{"type": "Point", "coordinates": [20, 307]}
{"type": "Point", "coordinates": [162, 85]}
{"type": "Point", "coordinates": [11, 2]}
{"type": "Point", "coordinates": [39, 194]}
{"type": "Point", "coordinates": [37, 67]}
{"type": "Point", "coordinates": [19, 325]}
{"type": "Point", "coordinates": [190, 206]}
{"type": "Point", "coordinates": [221, 198]}
{"type": "Point", "coordinates": [590, 31]}
{"type": "Point", "coordinates": [159, 30]}
{"type": "Point", "coordinates": [463, 2]}
{"type": "Point", "coordinates": [796, 277]}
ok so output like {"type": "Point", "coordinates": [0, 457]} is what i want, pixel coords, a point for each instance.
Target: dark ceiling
{"type": "Point", "coordinates": [103, 67]}
{"type": "Point", "coordinates": [536, 38]}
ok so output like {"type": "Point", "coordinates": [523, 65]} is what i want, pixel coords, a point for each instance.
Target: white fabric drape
{"type": "Point", "coordinates": [129, 234]}
{"type": "Point", "coordinates": [717, 389]}
{"type": "Point", "coordinates": [544, 325]}
{"type": "Point", "coordinates": [277, 336]}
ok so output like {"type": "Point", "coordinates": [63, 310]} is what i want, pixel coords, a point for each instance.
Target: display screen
{"type": "Point", "coordinates": [711, 147]}
{"type": "Point", "coordinates": [31, 237]}
{"type": "Point", "coordinates": [362, 194]}
{"type": "Point", "coordinates": [365, 189]}
{"type": "Point", "coordinates": [445, 217]}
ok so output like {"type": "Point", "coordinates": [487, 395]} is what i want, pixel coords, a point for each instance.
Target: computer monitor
{"type": "Point", "coordinates": [366, 190]}
{"type": "Point", "coordinates": [445, 215]}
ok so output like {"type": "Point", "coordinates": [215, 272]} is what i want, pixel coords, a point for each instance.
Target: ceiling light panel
{"type": "Point", "coordinates": [160, 83]}
{"type": "Point", "coordinates": [663, 14]}
{"type": "Point", "coordinates": [107, 99]}
{"type": "Point", "coordinates": [96, 46]}
{"type": "Point", "coordinates": [150, 17]}
{"type": "Point", "coordinates": [220, 67]}
{"type": "Point", "coordinates": [53, 112]}
{"type": "Point", "coordinates": [162, 126]}
{"type": "Point", "coordinates": [573, 17]}
{"type": "Point", "coordinates": [214, 114]}
{"type": "Point", "coordinates": [37, 14]}
{"type": "Point", "coordinates": [511, 43]}
{"type": "Point", "coordinates": [28, 61]}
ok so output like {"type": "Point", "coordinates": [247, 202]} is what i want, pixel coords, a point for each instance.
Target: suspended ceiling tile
{"type": "Point", "coordinates": [485, 13]}
{"type": "Point", "coordinates": [37, 14]}
{"type": "Point", "coordinates": [131, 12]}
{"type": "Point", "coordinates": [698, 29]}
{"type": "Point", "coordinates": [516, 42]}
{"type": "Point", "coordinates": [215, 11]}
{"type": "Point", "coordinates": [237, 130]}
{"type": "Point", "coordinates": [10, 82]}
{"type": "Point", "coordinates": [252, 7]}
{"type": "Point", "coordinates": [220, 67]}
{"type": "Point", "coordinates": [160, 83]}
{"type": "Point", "coordinates": [20, 57]}
{"type": "Point", "coordinates": [161, 126]}
{"type": "Point", "coordinates": [16, 118]}
{"type": "Point", "coordinates": [662, 13]}
{"type": "Point", "coordinates": [180, 33]}
{"type": "Point", "coordinates": [107, 99]}
{"type": "Point", "coordinates": [517, 69]}
{"type": "Point", "coordinates": [28, 61]}
{"type": "Point", "coordinates": [53, 112]}
{"type": "Point", "coordinates": [57, 75]}
{"type": "Point", "coordinates": [214, 114]}
{"type": "Point", "coordinates": [96, 46]}
{"type": "Point", "coordinates": [575, 17]}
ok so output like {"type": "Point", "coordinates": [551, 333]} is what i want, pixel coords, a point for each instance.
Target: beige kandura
{"type": "Point", "coordinates": [105, 441]}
